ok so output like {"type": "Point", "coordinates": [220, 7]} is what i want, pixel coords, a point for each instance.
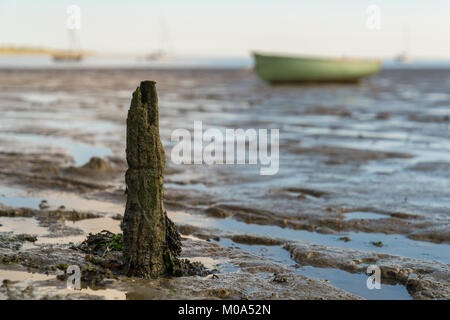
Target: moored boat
{"type": "Point", "coordinates": [289, 68]}
{"type": "Point", "coordinates": [67, 56]}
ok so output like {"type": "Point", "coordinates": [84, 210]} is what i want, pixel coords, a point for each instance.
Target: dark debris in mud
{"type": "Point", "coordinates": [253, 240]}
{"type": "Point", "coordinates": [378, 244]}
{"type": "Point", "coordinates": [53, 220]}
{"type": "Point", "coordinates": [10, 259]}
{"type": "Point", "coordinates": [187, 268]}
{"type": "Point", "coordinates": [26, 237]}
{"type": "Point", "coordinates": [279, 278]}
{"type": "Point", "coordinates": [345, 239]}
{"type": "Point", "coordinates": [101, 243]}
{"type": "Point", "coordinates": [71, 215]}
{"type": "Point", "coordinates": [15, 241]}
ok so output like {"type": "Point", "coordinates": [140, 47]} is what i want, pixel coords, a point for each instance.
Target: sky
{"type": "Point", "coordinates": [233, 28]}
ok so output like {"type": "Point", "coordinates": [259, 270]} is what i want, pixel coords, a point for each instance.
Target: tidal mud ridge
{"type": "Point", "coordinates": [364, 179]}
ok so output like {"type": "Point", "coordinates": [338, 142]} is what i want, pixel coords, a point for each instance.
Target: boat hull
{"type": "Point", "coordinates": [67, 56]}
{"type": "Point", "coordinates": [277, 68]}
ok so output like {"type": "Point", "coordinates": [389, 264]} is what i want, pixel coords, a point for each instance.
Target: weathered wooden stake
{"type": "Point", "coordinates": [151, 243]}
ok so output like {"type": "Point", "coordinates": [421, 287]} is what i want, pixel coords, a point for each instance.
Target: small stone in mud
{"type": "Point", "coordinates": [44, 205]}
{"type": "Point", "coordinates": [252, 240]}
{"type": "Point", "coordinates": [384, 115]}
{"type": "Point", "coordinates": [223, 293]}
{"type": "Point", "coordinates": [217, 212]}
{"type": "Point", "coordinates": [377, 243]}
{"type": "Point", "coordinates": [402, 215]}
{"type": "Point", "coordinates": [184, 267]}
{"type": "Point", "coordinates": [186, 229]}
{"type": "Point", "coordinates": [61, 266]}
{"type": "Point", "coordinates": [26, 237]}
{"type": "Point", "coordinates": [95, 167]}
{"type": "Point", "coordinates": [279, 278]}
{"type": "Point", "coordinates": [7, 283]}
{"type": "Point", "coordinates": [118, 217]}
{"type": "Point", "coordinates": [98, 164]}
{"type": "Point", "coordinates": [345, 239]}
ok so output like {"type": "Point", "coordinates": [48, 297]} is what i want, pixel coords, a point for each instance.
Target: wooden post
{"type": "Point", "coordinates": [151, 243]}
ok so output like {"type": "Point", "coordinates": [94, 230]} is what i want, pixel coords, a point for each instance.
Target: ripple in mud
{"type": "Point", "coordinates": [395, 244]}
{"type": "Point", "coordinates": [339, 155]}
{"type": "Point", "coordinates": [365, 215]}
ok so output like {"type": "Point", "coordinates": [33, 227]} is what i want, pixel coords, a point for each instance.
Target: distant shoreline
{"type": "Point", "coordinates": [31, 61]}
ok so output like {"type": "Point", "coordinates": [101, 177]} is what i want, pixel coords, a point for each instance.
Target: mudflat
{"type": "Point", "coordinates": [363, 180]}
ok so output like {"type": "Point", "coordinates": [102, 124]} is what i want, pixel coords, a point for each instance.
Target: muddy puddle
{"type": "Point", "coordinates": [364, 215]}
{"type": "Point", "coordinates": [15, 197]}
{"type": "Point", "coordinates": [351, 282]}
{"type": "Point", "coordinates": [362, 179]}
{"type": "Point", "coordinates": [81, 152]}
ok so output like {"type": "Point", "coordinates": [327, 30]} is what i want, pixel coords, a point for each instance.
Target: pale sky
{"type": "Point", "coordinates": [232, 28]}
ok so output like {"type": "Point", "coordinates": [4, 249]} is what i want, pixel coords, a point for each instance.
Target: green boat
{"type": "Point", "coordinates": [285, 68]}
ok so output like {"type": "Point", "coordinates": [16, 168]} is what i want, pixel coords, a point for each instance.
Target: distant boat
{"type": "Point", "coordinates": [163, 53]}
{"type": "Point", "coordinates": [67, 56]}
{"type": "Point", "coordinates": [158, 55]}
{"type": "Point", "coordinates": [404, 56]}
{"type": "Point", "coordinates": [287, 68]}
{"type": "Point", "coordinates": [73, 54]}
